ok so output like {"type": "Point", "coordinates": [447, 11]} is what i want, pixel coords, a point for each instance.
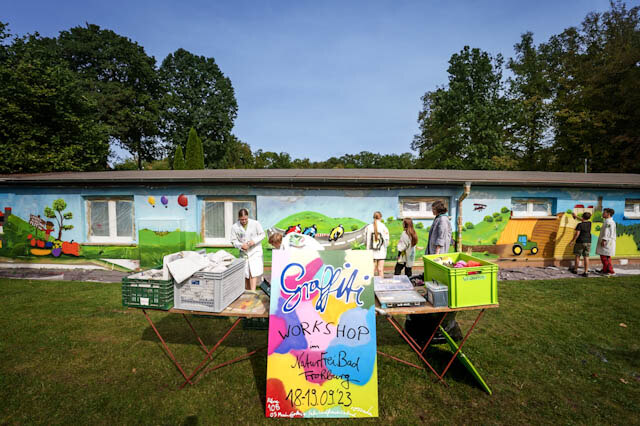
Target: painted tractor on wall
{"type": "Point", "coordinates": [524, 243]}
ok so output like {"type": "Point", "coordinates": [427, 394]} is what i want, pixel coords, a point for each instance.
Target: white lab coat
{"type": "Point", "coordinates": [380, 253]}
{"type": "Point", "coordinates": [239, 235]}
{"type": "Point", "coordinates": [608, 234]}
{"type": "Point", "coordinates": [406, 251]}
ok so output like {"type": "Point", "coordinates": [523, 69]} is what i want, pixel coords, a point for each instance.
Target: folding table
{"type": "Point", "coordinates": [248, 305]}
{"type": "Point", "coordinates": [389, 313]}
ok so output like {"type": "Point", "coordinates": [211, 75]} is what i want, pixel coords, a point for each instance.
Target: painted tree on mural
{"type": "Point", "coordinates": [59, 206]}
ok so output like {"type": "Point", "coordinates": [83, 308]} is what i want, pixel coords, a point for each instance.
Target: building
{"type": "Point", "coordinates": [143, 215]}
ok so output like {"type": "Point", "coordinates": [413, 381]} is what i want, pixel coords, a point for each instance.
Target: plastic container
{"type": "Point", "coordinates": [210, 291]}
{"type": "Point", "coordinates": [437, 294]}
{"type": "Point", "coordinates": [147, 293]}
{"type": "Point", "coordinates": [473, 286]}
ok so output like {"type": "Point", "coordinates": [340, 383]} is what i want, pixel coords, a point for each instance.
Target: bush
{"type": "Point", "coordinates": [496, 214]}
{"type": "Point", "coordinates": [504, 210]}
{"type": "Point", "coordinates": [390, 219]}
{"type": "Point", "coordinates": [419, 225]}
{"type": "Point", "coordinates": [464, 229]}
{"type": "Point", "coordinates": [354, 227]}
{"type": "Point", "coordinates": [598, 227]}
{"type": "Point", "coordinates": [488, 219]}
{"type": "Point", "coordinates": [569, 211]}
{"type": "Point", "coordinates": [494, 241]}
{"type": "Point", "coordinates": [597, 216]}
{"type": "Point", "coordinates": [428, 229]}
{"type": "Point", "coordinates": [468, 225]}
{"type": "Point", "coordinates": [498, 218]}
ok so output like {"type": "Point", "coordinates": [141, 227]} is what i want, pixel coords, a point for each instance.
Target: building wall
{"type": "Point", "coordinates": [164, 228]}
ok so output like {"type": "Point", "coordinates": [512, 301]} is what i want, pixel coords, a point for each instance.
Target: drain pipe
{"type": "Point", "coordinates": [467, 190]}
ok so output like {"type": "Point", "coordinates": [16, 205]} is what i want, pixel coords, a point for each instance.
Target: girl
{"type": "Point", "coordinates": [406, 248]}
{"type": "Point", "coordinates": [377, 237]}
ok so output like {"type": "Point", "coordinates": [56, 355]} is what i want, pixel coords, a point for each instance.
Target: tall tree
{"type": "Point", "coordinates": [530, 96]}
{"type": "Point", "coordinates": [46, 121]}
{"type": "Point", "coordinates": [178, 159]}
{"type": "Point", "coordinates": [238, 155]}
{"type": "Point", "coordinates": [198, 95]}
{"type": "Point", "coordinates": [195, 157]}
{"type": "Point", "coordinates": [462, 126]}
{"type": "Point", "coordinates": [596, 87]}
{"type": "Point", "coordinates": [122, 79]}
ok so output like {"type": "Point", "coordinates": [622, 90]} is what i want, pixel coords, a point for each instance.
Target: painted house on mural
{"type": "Point", "coordinates": [143, 215]}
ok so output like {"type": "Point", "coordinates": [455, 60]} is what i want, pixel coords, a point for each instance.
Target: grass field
{"type": "Point", "coordinates": [554, 352]}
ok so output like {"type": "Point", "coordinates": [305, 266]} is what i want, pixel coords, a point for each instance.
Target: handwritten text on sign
{"type": "Point", "coordinates": [322, 336]}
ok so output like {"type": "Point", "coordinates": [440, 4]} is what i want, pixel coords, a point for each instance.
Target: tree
{"type": "Point", "coordinates": [178, 159]}
{"type": "Point", "coordinates": [59, 206]}
{"type": "Point", "coordinates": [272, 160]}
{"type": "Point", "coordinates": [122, 79]}
{"type": "Point", "coordinates": [47, 123]}
{"type": "Point", "coordinates": [530, 95]}
{"type": "Point", "coordinates": [195, 157]}
{"type": "Point", "coordinates": [238, 155]}
{"type": "Point", "coordinates": [462, 125]}
{"type": "Point", "coordinates": [198, 95]}
{"type": "Point", "coordinates": [596, 92]}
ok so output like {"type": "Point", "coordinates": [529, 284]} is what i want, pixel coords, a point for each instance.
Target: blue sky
{"type": "Point", "coordinates": [317, 78]}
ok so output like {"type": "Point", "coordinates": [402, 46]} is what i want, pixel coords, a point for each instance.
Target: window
{"type": "Point", "coordinates": [531, 207]}
{"type": "Point", "coordinates": [110, 220]}
{"type": "Point", "coordinates": [632, 209]}
{"type": "Point", "coordinates": [219, 214]}
{"type": "Point", "coordinates": [419, 208]}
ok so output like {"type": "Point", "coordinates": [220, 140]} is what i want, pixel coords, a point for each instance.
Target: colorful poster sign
{"type": "Point", "coordinates": [322, 335]}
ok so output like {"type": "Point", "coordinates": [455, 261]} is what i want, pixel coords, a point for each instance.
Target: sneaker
{"type": "Point", "coordinates": [584, 274]}
{"type": "Point", "coordinates": [611, 274]}
{"type": "Point", "coordinates": [573, 271]}
{"type": "Point", "coordinates": [600, 271]}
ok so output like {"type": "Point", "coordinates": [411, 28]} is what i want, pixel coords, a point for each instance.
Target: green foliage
{"type": "Point", "coordinates": [390, 219]}
{"type": "Point", "coordinates": [419, 225]}
{"type": "Point", "coordinates": [194, 159]}
{"type": "Point", "coordinates": [494, 240]}
{"type": "Point", "coordinates": [597, 216]}
{"type": "Point", "coordinates": [496, 214]}
{"type": "Point", "coordinates": [59, 206]}
{"type": "Point", "coordinates": [569, 211]}
{"type": "Point", "coordinates": [468, 225]}
{"type": "Point", "coordinates": [178, 159]}
{"type": "Point", "coordinates": [358, 246]}
{"type": "Point", "coordinates": [598, 227]}
{"type": "Point", "coordinates": [633, 230]}
{"type": "Point", "coordinates": [428, 229]}
{"type": "Point", "coordinates": [464, 229]}
{"type": "Point", "coordinates": [354, 227]}
{"type": "Point", "coordinates": [504, 210]}
{"type": "Point", "coordinates": [47, 123]}
{"type": "Point", "coordinates": [488, 219]}
{"type": "Point", "coordinates": [462, 125]}
{"type": "Point", "coordinates": [498, 218]}
{"type": "Point", "coordinates": [198, 95]}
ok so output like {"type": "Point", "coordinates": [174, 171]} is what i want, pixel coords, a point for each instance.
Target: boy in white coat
{"type": "Point", "coordinates": [607, 242]}
{"type": "Point", "coordinates": [247, 235]}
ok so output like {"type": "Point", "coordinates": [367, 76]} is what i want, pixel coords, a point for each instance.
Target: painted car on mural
{"type": "Point", "coordinates": [524, 243]}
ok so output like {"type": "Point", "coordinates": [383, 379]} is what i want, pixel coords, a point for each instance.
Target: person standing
{"type": "Point", "coordinates": [247, 236]}
{"type": "Point", "coordinates": [377, 239]}
{"type": "Point", "coordinates": [582, 240]}
{"type": "Point", "coordinates": [440, 233]}
{"type": "Point", "coordinates": [406, 248]}
{"type": "Point", "coordinates": [607, 242]}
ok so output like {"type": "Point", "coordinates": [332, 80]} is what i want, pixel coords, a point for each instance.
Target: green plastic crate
{"type": "Point", "coordinates": [465, 289]}
{"type": "Point", "coordinates": [151, 294]}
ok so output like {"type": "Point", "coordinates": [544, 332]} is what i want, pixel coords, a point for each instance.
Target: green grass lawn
{"type": "Point", "coordinates": [553, 352]}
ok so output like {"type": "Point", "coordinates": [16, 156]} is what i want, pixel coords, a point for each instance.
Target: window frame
{"type": "Point", "coordinates": [229, 220]}
{"type": "Point", "coordinates": [423, 212]}
{"type": "Point", "coordinates": [636, 208]}
{"type": "Point", "coordinates": [530, 213]}
{"type": "Point", "coordinates": [112, 238]}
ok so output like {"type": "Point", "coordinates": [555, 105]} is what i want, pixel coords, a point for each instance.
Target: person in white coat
{"type": "Point", "coordinates": [406, 248]}
{"type": "Point", "coordinates": [607, 242]}
{"type": "Point", "coordinates": [247, 236]}
{"type": "Point", "coordinates": [377, 240]}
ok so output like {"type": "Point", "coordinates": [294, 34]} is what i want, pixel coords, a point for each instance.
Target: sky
{"type": "Point", "coordinates": [317, 79]}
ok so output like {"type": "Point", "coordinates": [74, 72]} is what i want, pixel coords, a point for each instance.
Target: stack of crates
{"type": "Point", "coordinates": [473, 286]}
{"type": "Point", "coordinates": [210, 291]}
{"type": "Point", "coordinates": [147, 293]}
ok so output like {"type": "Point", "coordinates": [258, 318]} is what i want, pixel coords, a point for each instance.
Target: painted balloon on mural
{"type": "Point", "coordinates": [152, 200]}
{"type": "Point", "coordinates": [183, 201]}
{"type": "Point", "coordinates": [164, 200]}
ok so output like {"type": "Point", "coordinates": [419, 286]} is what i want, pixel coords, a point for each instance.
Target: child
{"type": "Point", "coordinates": [406, 248]}
{"type": "Point", "coordinates": [377, 238]}
{"type": "Point", "coordinates": [582, 240]}
{"type": "Point", "coordinates": [275, 240]}
{"type": "Point", "coordinates": [607, 242]}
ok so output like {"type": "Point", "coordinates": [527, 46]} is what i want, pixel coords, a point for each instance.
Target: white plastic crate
{"type": "Point", "coordinates": [210, 291]}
